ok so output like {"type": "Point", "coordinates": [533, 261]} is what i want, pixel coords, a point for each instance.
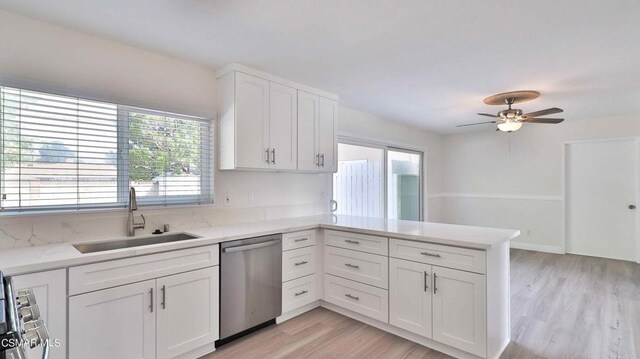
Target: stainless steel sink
{"type": "Point", "coordinates": [133, 242]}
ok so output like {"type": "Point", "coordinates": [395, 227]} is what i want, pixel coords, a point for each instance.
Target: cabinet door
{"type": "Point", "coordinates": [410, 296]}
{"type": "Point", "coordinates": [327, 134]}
{"type": "Point", "coordinates": [50, 289]}
{"type": "Point", "coordinates": [114, 323]}
{"type": "Point", "coordinates": [308, 113]}
{"type": "Point", "coordinates": [251, 121]}
{"type": "Point", "coordinates": [459, 309]}
{"type": "Point", "coordinates": [187, 306]}
{"type": "Point", "coordinates": [283, 126]}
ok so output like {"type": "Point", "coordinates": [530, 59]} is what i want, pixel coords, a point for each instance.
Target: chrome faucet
{"type": "Point", "coordinates": [132, 225]}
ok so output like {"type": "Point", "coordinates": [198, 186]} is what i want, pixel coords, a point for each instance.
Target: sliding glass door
{"type": "Point", "coordinates": [375, 180]}
{"type": "Point", "coordinates": [404, 184]}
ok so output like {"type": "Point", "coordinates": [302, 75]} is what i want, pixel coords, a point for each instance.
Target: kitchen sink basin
{"type": "Point", "coordinates": [133, 242]}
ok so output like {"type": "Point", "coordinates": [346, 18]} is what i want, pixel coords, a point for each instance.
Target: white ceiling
{"type": "Point", "coordinates": [425, 62]}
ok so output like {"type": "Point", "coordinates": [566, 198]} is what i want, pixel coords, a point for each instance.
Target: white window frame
{"type": "Point", "coordinates": [386, 147]}
{"type": "Point", "coordinates": [123, 182]}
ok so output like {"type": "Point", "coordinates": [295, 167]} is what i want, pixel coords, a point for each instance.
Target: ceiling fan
{"type": "Point", "coordinates": [512, 119]}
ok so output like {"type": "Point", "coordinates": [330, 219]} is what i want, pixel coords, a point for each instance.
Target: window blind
{"type": "Point", "coordinates": [60, 152]}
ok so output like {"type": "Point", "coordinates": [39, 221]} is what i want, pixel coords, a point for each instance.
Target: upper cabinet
{"type": "Point", "coordinates": [317, 133]}
{"type": "Point", "coordinates": [267, 123]}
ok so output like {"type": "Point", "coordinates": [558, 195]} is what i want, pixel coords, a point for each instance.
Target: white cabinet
{"type": "Point", "coordinates": [187, 312]}
{"type": "Point", "coordinates": [328, 135]}
{"type": "Point", "coordinates": [410, 296]}
{"type": "Point", "coordinates": [283, 127]}
{"type": "Point", "coordinates": [317, 139]}
{"type": "Point", "coordinates": [258, 123]}
{"type": "Point", "coordinates": [114, 323]}
{"type": "Point", "coordinates": [269, 123]}
{"type": "Point", "coordinates": [251, 109]}
{"type": "Point", "coordinates": [50, 289]}
{"type": "Point", "coordinates": [459, 310]}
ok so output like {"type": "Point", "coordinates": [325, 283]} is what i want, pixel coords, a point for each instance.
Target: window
{"type": "Point", "coordinates": [59, 152]}
{"type": "Point", "coordinates": [378, 181]}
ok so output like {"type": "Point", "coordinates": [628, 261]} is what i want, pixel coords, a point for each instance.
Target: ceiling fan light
{"type": "Point", "coordinates": [509, 126]}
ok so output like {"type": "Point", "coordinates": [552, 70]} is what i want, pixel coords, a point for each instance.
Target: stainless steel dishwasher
{"type": "Point", "coordinates": [250, 284]}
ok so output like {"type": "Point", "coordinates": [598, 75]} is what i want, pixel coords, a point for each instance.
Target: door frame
{"type": "Point", "coordinates": [386, 145]}
{"type": "Point", "coordinates": [565, 185]}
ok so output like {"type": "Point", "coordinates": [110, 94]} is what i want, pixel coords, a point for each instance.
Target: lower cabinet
{"type": "Point", "coordinates": [50, 289]}
{"type": "Point", "coordinates": [114, 323]}
{"type": "Point", "coordinates": [459, 310]}
{"type": "Point", "coordinates": [410, 296]}
{"type": "Point", "coordinates": [446, 305]}
{"type": "Point", "coordinates": [160, 318]}
{"type": "Point", "coordinates": [187, 311]}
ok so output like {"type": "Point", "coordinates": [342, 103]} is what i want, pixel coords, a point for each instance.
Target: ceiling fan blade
{"type": "Point", "coordinates": [477, 123]}
{"type": "Point", "coordinates": [548, 111]}
{"type": "Point", "coordinates": [544, 120]}
{"type": "Point", "coordinates": [489, 115]}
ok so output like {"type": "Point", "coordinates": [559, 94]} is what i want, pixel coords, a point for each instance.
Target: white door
{"type": "Point", "coordinates": [114, 323]}
{"type": "Point", "coordinates": [600, 187]}
{"type": "Point", "coordinates": [50, 289]}
{"type": "Point", "coordinates": [283, 126]}
{"type": "Point", "coordinates": [459, 309]}
{"type": "Point", "coordinates": [327, 134]}
{"type": "Point", "coordinates": [307, 131]}
{"type": "Point", "coordinates": [187, 308]}
{"type": "Point", "coordinates": [410, 296]}
{"type": "Point", "coordinates": [251, 121]}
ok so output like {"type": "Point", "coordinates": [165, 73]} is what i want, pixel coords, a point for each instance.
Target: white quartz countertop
{"type": "Point", "coordinates": [46, 257]}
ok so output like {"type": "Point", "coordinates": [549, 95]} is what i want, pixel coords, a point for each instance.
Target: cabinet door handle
{"type": "Point", "coordinates": [425, 281]}
{"type": "Point", "coordinates": [317, 160]}
{"type": "Point", "coordinates": [151, 302]}
{"type": "Point", "coordinates": [322, 157]}
{"type": "Point", "coordinates": [351, 265]}
{"type": "Point", "coordinates": [352, 242]}
{"type": "Point", "coordinates": [273, 154]}
{"type": "Point", "coordinates": [267, 155]}
{"type": "Point", "coordinates": [431, 254]}
{"type": "Point", "coordinates": [301, 239]}
{"type": "Point", "coordinates": [164, 297]}
{"type": "Point", "coordinates": [435, 288]}
{"type": "Point", "coordinates": [300, 263]}
{"type": "Point", "coordinates": [352, 296]}
{"type": "Point", "coordinates": [301, 293]}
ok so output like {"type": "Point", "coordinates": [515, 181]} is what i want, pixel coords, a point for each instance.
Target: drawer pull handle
{"type": "Point", "coordinates": [301, 239]}
{"type": "Point", "coordinates": [351, 265]}
{"type": "Point", "coordinates": [352, 242]}
{"type": "Point", "coordinates": [301, 293]}
{"type": "Point", "coordinates": [431, 254]}
{"type": "Point", "coordinates": [352, 296]}
{"type": "Point", "coordinates": [300, 263]}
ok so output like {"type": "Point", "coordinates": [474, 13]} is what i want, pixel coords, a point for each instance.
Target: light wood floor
{"type": "Point", "coordinates": [563, 306]}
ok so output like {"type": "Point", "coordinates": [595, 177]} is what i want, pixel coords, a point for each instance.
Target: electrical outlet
{"type": "Point", "coordinates": [227, 199]}
{"type": "Point", "coordinates": [251, 198]}
{"type": "Point", "coordinates": [528, 232]}
{"type": "Point", "coordinates": [322, 195]}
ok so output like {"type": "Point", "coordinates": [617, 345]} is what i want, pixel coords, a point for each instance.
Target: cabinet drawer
{"type": "Point", "coordinates": [299, 292]}
{"type": "Point", "coordinates": [445, 256]}
{"type": "Point", "coordinates": [298, 263]}
{"type": "Point", "coordinates": [103, 275]}
{"type": "Point", "coordinates": [361, 267]}
{"type": "Point", "coordinates": [360, 298]}
{"type": "Point", "coordinates": [298, 239]}
{"type": "Point", "coordinates": [358, 242]}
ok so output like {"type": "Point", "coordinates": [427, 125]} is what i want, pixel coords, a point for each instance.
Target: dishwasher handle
{"type": "Point", "coordinates": [250, 246]}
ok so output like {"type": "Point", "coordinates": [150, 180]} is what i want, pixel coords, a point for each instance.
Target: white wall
{"type": "Point", "coordinates": [488, 185]}
{"type": "Point", "coordinates": [44, 57]}
{"type": "Point", "coordinates": [358, 124]}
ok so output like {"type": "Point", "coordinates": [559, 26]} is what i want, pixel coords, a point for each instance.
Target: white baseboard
{"type": "Point", "coordinates": [537, 247]}
{"type": "Point", "coordinates": [296, 312]}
